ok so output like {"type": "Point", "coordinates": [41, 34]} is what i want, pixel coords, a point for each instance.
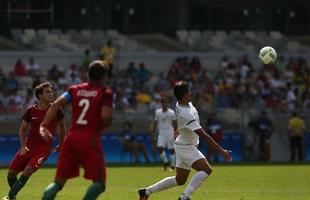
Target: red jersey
{"type": "Point", "coordinates": [34, 116]}
{"type": "Point", "coordinates": [87, 100]}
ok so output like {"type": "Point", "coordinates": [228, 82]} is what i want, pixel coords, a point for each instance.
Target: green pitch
{"type": "Point", "coordinates": [227, 182]}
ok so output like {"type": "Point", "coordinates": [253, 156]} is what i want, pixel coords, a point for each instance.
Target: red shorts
{"type": "Point", "coordinates": [81, 151]}
{"type": "Point", "coordinates": [33, 158]}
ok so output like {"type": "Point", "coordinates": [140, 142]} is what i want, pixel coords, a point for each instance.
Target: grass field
{"type": "Point", "coordinates": [242, 182]}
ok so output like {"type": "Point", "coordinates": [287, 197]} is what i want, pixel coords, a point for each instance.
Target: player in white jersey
{"type": "Point", "coordinates": [187, 154]}
{"type": "Point", "coordinates": [166, 124]}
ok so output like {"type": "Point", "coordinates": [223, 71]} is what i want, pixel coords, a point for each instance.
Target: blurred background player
{"type": "Point", "coordinates": [187, 154]}
{"type": "Point", "coordinates": [91, 112]}
{"type": "Point", "coordinates": [34, 150]}
{"type": "Point", "coordinates": [165, 123]}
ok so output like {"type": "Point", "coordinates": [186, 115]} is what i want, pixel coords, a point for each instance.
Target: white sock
{"type": "Point", "coordinates": [172, 160]}
{"type": "Point", "coordinates": [161, 185]}
{"type": "Point", "coordinates": [163, 157]}
{"type": "Point", "coordinates": [195, 183]}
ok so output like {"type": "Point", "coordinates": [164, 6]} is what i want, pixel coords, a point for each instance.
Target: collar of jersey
{"type": "Point", "coordinates": [181, 105]}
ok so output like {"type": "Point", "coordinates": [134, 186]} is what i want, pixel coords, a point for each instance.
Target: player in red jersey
{"type": "Point", "coordinates": [91, 112]}
{"type": "Point", "coordinates": [34, 149]}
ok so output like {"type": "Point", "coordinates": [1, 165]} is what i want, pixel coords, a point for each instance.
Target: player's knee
{"type": "Point", "coordinates": [208, 171]}
{"type": "Point", "coordinates": [100, 186]}
{"type": "Point", "coordinates": [11, 174]}
{"type": "Point", "coordinates": [180, 181]}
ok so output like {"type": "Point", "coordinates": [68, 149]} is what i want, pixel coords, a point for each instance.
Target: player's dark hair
{"type": "Point", "coordinates": [97, 70]}
{"type": "Point", "coordinates": [39, 89]}
{"type": "Point", "coordinates": [180, 89]}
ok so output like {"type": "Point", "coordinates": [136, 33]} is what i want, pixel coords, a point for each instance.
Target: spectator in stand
{"type": "Point", "coordinates": [290, 97]}
{"type": "Point", "coordinates": [74, 79]}
{"type": "Point", "coordinates": [129, 142]}
{"type": "Point", "coordinates": [281, 64]}
{"type": "Point", "coordinates": [2, 102]}
{"type": "Point", "coordinates": [144, 97]}
{"type": "Point", "coordinates": [29, 99]}
{"type": "Point", "coordinates": [121, 103]}
{"type": "Point", "coordinates": [70, 71]}
{"type": "Point", "coordinates": [2, 79]}
{"type": "Point", "coordinates": [292, 64]}
{"type": "Point", "coordinates": [215, 131]}
{"type": "Point", "coordinates": [15, 103]}
{"type": "Point", "coordinates": [36, 81]}
{"type": "Point", "coordinates": [305, 97]}
{"type": "Point", "coordinates": [195, 64]}
{"type": "Point", "coordinates": [142, 74]}
{"type": "Point", "coordinates": [11, 84]}
{"type": "Point", "coordinates": [32, 67]}
{"type": "Point", "coordinates": [162, 85]}
{"type": "Point", "coordinates": [86, 59]}
{"type": "Point", "coordinates": [54, 73]}
{"type": "Point", "coordinates": [109, 53]}
{"type": "Point", "coordinates": [19, 68]}
{"type": "Point", "coordinates": [264, 128]}
{"type": "Point", "coordinates": [296, 126]}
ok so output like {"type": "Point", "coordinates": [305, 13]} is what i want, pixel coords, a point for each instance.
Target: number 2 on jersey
{"type": "Point", "coordinates": [84, 103]}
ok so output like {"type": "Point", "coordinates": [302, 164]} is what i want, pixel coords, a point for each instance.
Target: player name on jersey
{"type": "Point", "coordinates": [85, 93]}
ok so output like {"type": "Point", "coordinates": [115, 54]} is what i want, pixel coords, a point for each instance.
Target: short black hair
{"type": "Point", "coordinates": [180, 89]}
{"type": "Point", "coordinates": [97, 70]}
{"type": "Point", "coordinates": [39, 89]}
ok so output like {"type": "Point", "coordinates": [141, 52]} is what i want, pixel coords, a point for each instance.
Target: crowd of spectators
{"type": "Point", "coordinates": [282, 87]}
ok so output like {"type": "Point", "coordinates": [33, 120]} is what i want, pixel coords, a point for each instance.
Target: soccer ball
{"type": "Point", "coordinates": [267, 55]}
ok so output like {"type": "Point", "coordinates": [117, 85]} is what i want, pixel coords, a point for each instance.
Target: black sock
{"type": "Point", "coordinates": [17, 186]}
{"type": "Point", "coordinates": [12, 180]}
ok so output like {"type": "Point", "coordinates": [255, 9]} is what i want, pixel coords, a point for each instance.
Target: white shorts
{"type": "Point", "coordinates": [165, 140]}
{"type": "Point", "coordinates": [186, 155]}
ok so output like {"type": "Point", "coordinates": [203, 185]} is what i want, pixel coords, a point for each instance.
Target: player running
{"type": "Point", "coordinates": [34, 150]}
{"type": "Point", "coordinates": [165, 119]}
{"type": "Point", "coordinates": [91, 113]}
{"type": "Point", "coordinates": [187, 154]}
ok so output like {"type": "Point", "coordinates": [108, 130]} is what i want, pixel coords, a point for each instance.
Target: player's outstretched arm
{"type": "Point", "coordinates": [50, 114]}
{"type": "Point", "coordinates": [225, 153]}
{"type": "Point", "coordinates": [61, 134]}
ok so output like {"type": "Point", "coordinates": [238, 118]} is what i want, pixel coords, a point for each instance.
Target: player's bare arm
{"type": "Point", "coordinates": [22, 135]}
{"type": "Point", "coordinates": [106, 116]}
{"type": "Point", "coordinates": [154, 128]}
{"type": "Point", "coordinates": [175, 128]}
{"type": "Point", "coordinates": [50, 114]}
{"type": "Point", "coordinates": [61, 134]}
{"type": "Point", "coordinates": [225, 153]}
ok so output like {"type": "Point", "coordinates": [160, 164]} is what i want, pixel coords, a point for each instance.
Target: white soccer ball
{"type": "Point", "coordinates": [267, 55]}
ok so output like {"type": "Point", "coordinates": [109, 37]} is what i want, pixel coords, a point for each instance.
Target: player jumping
{"type": "Point", "coordinates": [91, 112]}
{"type": "Point", "coordinates": [34, 150]}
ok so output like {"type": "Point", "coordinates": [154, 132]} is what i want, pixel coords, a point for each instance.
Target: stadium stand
{"type": "Point", "coordinates": [234, 41]}
{"type": "Point", "coordinates": [73, 40]}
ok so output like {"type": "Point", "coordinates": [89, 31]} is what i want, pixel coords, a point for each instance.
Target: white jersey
{"type": "Point", "coordinates": [188, 122]}
{"type": "Point", "coordinates": [164, 120]}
